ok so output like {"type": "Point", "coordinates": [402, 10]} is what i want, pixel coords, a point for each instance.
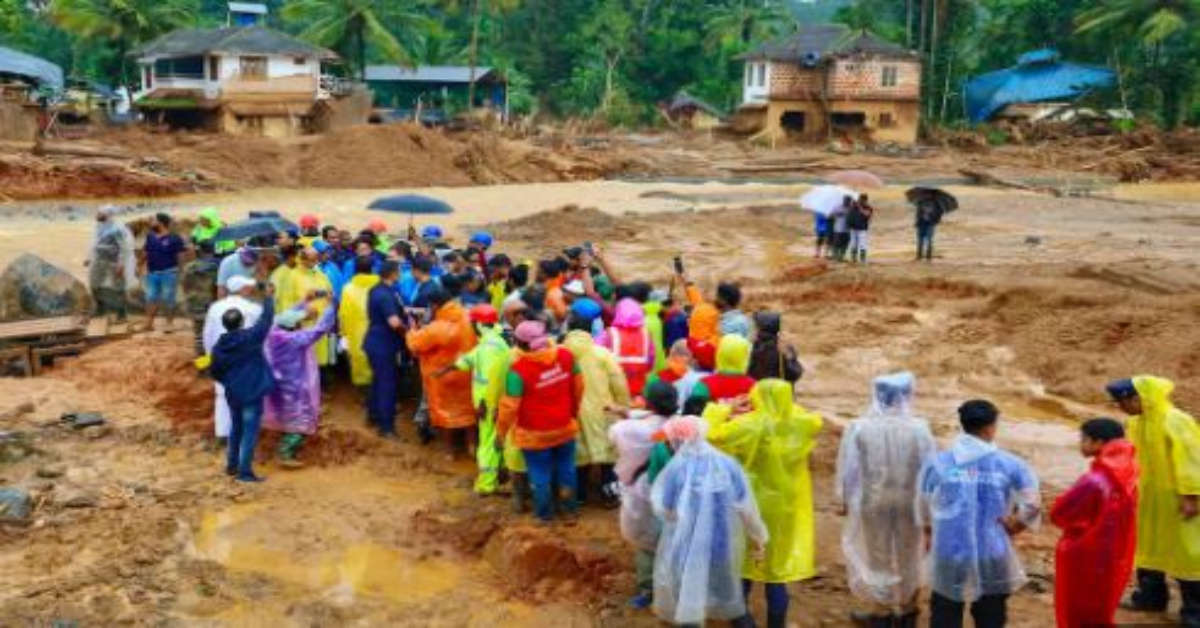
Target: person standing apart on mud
{"type": "Point", "coordinates": [241, 291]}
{"type": "Point", "coordinates": [859, 223]}
{"type": "Point", "coordinates": [1168, 525]}
{"type": "Point", "coordinates": [239, 363]}
{"type": "Point", "coordinates": [382, 344]}
{"type": "Point", "coordinates": [112, 265]}
{"type": "Point", "coordinates": [928, 216]}
{"type": "Point", "coordinates": [164, 255]}
{"type": "Point", "coordinates": [773, 442]}
{"type": "Point", "coordinates": [881, 457]}
{"type": "Point", "coordinates": [974, 499]}
{"type": "Point", "coordinates": [540, 405]}
{"type": "Point", "coordinates": [1098, 516]}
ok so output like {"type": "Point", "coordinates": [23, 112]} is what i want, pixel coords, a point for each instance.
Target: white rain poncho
{"type": "Point", "coordinates": [708, 510]}
{"type": "Point", "coordinates": [880, 460]}
{"type": "Point", "coordinates": [213, 330]}
{"type": "Point", "coordinates": [112, 263]}
{"type": "Point", "coordinates": [964, 493]}
{"type": "Point", "coordinates": [632, 438]}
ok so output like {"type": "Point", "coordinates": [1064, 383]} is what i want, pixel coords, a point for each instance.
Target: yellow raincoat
{"type": "Point", "coordinates": [281, 280]}
{"type": "Point", "coordinates": [353, 323]}
{"type": "Point", "coordinates": [773, 443]}
{"type": "Point", "coordinates": [301, 282]}
{"type": "Point", "coordinates": [1168, 452]}
{"type": "Point", "coordinates": [604, 385]}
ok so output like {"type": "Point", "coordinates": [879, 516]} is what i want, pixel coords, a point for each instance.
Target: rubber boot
{"type": "Point", "coordinates": [520, 493]}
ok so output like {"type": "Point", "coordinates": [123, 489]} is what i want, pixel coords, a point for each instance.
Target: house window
{"type": "Point", "coordinates": [762, 75]}
{"type": "Point", "coordinates": [299, 60]}
{"type": "Point", "coordinates": [886, 121]}
{"type": "Point", "coordinates": [254, 68]}
{"type": "Point", "coordinates": [890, 76]}
{"type": "Point", "coordinates": [183, 67]}
{"type": "Point", "coordinates": [214, 68]}
{"type": "Point", "coordinates": [147, 77]}
{"type": "Point", "coordinates": [749, 75]}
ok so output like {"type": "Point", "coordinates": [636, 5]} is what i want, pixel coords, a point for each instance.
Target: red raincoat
{"type": "Point", "coordinates": [1098, 516]}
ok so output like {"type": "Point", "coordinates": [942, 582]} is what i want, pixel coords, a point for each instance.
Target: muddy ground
{"type": "Point", "coordinates": [1033, 301]}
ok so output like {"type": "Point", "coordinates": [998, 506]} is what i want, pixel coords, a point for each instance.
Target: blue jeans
{"type": "Point", "coordinates": [925, 235]}
{"type": "Point", "coordinates": [547, 468]}
{"type": "Point", "coordinates": [243, 438]}
{"type": "Point", "coordinates": [777, 605]}
{"type": "Point", "coordinates": [161, 287]}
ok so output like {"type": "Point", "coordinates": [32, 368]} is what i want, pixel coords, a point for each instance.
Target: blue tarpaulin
{"type": "Point", "coordinates": [36, 68]}
{"type": "Point", "coordinates": [1039, 76]}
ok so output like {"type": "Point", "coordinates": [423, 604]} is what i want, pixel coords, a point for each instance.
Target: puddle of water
{"type": "Point", "coordinates": [344, 573]}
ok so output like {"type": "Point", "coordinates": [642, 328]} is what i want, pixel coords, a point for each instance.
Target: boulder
{"type": "Point", "coordinates": [31, 287]}
{"type": "Point", "coordinates": [15, 505]}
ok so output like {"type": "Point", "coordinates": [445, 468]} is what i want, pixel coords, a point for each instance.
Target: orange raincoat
{"type": "Point", "coordinates": [704, 334]}
{"type": "Point", "coordinates": [437, 346]}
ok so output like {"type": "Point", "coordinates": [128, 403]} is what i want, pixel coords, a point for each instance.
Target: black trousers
{"type": "Point", "coordinates": [1153, 593]}
{"type": "Point", "coordinates": [989, 611]}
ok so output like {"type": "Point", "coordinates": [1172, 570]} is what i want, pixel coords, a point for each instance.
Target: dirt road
{"type": "Point", "coordinates": [1034, 302]}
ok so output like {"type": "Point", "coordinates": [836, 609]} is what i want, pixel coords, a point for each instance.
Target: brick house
{"type": "Point", "coordinates": [827, 80]}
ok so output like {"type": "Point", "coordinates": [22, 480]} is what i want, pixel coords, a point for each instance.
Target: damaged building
{"type": "Point", "coordinates": [830, 81]}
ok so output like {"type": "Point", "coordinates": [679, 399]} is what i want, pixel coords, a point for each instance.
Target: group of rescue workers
{"type": "Point", "coordinates": [572, 386]}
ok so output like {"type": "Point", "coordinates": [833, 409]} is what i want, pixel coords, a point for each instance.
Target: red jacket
{"type": "Point", "coordinates": [1094, 560]}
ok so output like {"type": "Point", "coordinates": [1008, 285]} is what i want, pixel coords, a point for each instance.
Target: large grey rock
{"type": "Point", "coordinates": [32, 287]}
{"type": "Point", "coordinates": [15, 505]}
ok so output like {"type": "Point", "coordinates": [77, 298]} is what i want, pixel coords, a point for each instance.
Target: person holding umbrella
{"type": "Point", "coordinates": [930, 205]}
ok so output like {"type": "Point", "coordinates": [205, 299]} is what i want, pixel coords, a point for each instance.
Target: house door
{"type": "Point", "coordinates": [254, 68]}
{"type": "Point", "coordinates": [793, 122]}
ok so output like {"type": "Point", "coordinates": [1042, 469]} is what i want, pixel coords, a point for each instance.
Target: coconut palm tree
{"type": "Point", "coordinates": [1153, 21]}
{"type": "Point", "coordinates": [743, 22]}
{"type": "Point", "coordinates": [121, 24]}
{"type": "Point", "coordinates": [393, 27]}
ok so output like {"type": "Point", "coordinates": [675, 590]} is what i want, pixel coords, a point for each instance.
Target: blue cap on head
{"type": "Point", "coordinates": [432, 232]}
{"type": "Point", "coordinates": [321, 246]}
{"type": "Point", "coordinates": [482, 237]}
{"type": "Point", "coordinates": [1122, 389]}
{"type": "Point", "coordinates": [585, 309]}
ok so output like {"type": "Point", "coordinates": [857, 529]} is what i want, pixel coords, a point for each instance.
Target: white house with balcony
{"type": "Point", "coordinates": [245, 79]}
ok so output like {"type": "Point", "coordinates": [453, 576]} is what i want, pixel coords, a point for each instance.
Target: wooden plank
{"type": "Point", "coordinates": [40, 327]}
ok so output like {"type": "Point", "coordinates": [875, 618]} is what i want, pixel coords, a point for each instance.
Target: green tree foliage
{"type": "Point", "coordinates": [114, 27]}
{"type": "Point", "coordinates": [619, 59]}
{"type": "Point", "coordinates": [357, 28]}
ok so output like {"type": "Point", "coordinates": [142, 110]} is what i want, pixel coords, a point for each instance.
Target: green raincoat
{"type": "Point", "coordinates": [1168, 452]}
{"type": "Point", "coordinates": [488, 363]}
{"type": "Point", "coordinates": [773, 443]}
{"type": "Point", "coordinates": [654, 325]}
{"type": "Point", "coordinates": [206, 234]}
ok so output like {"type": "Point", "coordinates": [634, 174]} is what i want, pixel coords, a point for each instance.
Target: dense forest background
{"type": "Point", "coordinates": [617, 59]}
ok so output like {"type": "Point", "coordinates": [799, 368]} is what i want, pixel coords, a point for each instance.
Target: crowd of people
{"type": "Point", "coordinates": [570, 385]}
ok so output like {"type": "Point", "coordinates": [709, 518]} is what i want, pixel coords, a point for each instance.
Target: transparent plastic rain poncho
{"type": "Point", "coordinates": [633, 440]}
{"type": "Point", "coordinates": [112, 263]}
{"type": "Point", "coordinates": [705, 503]}
{"type": "Point", "coordinates": [878, 466]}
{"type": "Point", "coordinates": [964, 492]}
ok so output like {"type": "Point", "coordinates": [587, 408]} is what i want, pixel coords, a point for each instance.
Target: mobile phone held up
{"type": "Point", "coordinates": [678, 261]}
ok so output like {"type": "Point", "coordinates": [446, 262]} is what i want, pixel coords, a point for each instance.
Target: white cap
{"type": "Point", "coordinates": [574, 287]}
{"type": "Point", "coordinates": [239, 283]}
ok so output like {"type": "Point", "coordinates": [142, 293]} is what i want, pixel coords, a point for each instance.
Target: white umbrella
{"type": "Point", "coordinates": [825, 199]}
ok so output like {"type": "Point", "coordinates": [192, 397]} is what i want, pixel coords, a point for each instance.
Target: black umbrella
{"type": "Point", "coordinates": [412, 204]}
{"type": "Point", "coordinates": [256, 228]}
{"type": "Point", "coordinates": [943, 199]}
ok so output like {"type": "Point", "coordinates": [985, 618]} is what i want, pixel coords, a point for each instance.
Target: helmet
{"type": "Point", "coordinates": [432, 232]}
{"type": "Point", "coordinates": [309, 221]}
{"type": "Point", "coordinates": [482, 237]}
{"type": "Point", "coordinates": [484, 314]}
{"type": "Point", "coordinates": [377, 225]}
